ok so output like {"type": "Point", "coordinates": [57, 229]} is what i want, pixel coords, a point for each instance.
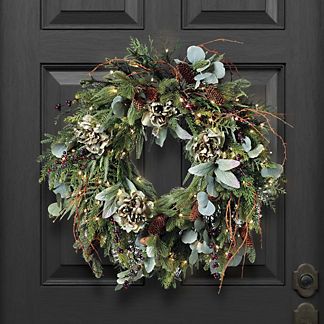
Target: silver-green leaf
{"type": "Point", "coordinates": [226, 165]}
{"type": "Point", "coordinates": [228, 178]}
{"type": "Point", "coordinates": [54, 210]}
{"type": "Point", "coordinates": [189, 236]}
{"type": "Point", "coordinates": [274, 171]}
{"type": "Point", "coordinates": [58, 149]}
{"type": "Point", "coordinates": [202, 169]}
{"type": "Point", "coordinates": [256, 151]}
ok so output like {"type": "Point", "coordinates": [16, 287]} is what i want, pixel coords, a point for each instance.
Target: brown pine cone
{"type": "Point", "coordinates": [138, 101]}
{"type": "Point", "coordinates": [157, 225]}
{"type": "Point", "coordinates": [186, 72]}
{"type": "Point", "coordinates": [194, 214]}
{"type": "Point", "coordinates": [151, 94]}
{"type": "Point", "coordinates": [249, 241]}
{"type": "Point", "coordinates": [213, 94]}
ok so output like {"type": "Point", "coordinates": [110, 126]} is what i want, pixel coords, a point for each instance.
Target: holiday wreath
{"type": "Point", "coordinates": [208, 223]}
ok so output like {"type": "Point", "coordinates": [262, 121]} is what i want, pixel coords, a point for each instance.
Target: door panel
{"type": "Point", "coordinates": [94, 14]}
{"type": "Point", "coordinates": [47, 47]}
{"type": "Point", "coordinates": [233, 14]}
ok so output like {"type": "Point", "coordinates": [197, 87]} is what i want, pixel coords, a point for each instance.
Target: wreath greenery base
{"type": "Point", "coordinates": [144, 96]}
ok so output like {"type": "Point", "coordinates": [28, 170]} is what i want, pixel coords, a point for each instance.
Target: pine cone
{"type": "Point", "coordinates": [186, 72]}
{"type": "Point", "coordinates": [138, 102]}
{"type": "Point", "coordinates": [157, 225]}
{"type": "Point", "coordinates": [151, 94]}
{"type": "Point", "coordinates": [194, 214]}
{"type": "Point", "coordinates": [213, 94]}
{"type": "Point", "coordinates": [249, 241]}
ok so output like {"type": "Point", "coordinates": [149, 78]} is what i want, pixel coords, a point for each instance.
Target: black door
{"type": "Point", "coordinates": [47, 46]}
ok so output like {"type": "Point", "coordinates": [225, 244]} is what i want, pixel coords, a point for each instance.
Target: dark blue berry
{"type": "Point", "coordinates": [58, 107]}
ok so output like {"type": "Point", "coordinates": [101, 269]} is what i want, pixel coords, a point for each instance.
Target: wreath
{"type": "Point", "coordinates": [207, 223]}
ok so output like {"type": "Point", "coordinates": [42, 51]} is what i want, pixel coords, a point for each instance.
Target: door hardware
{"type": "Point", "coordinates": [305, 280]}
{"type": "Point", "coordinates": [305, 314]}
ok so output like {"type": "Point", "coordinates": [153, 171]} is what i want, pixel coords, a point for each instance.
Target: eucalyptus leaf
{"type": "Point", "coordinates": [256, 151]}
{"type": "Point", "coordinates": [206, 236]}
{"type": "Point", "coordinates": [150, 251]}
{"type": "Point", "coordinates": [247, 145]}
{"type": "Point", "coordinates": [109, 209]}
{"type": "Point", "coordinates": [189, 236]}
{"type": "Point", "coordinates": [130, 185]}
{"type": "Point", "coordinates": [195, 54]}
{"type": "Point", "coordinates": [139, 147]}
{"type": "Point", "coordinates": [58, 149]}
{"type": "Point", "coordinates": [149, 264]}
{"type": "Point", "coordinates": [123, 274]}
{"type": "Point", "coordinates": [235, 261]}
{"type": "Point", "coordinates": [161, 136]}
{"type": "Point", "coordinates": [219, 70]}
{"type": "Point", "coordinates": [274, 171]}
{"type": "Point", "coordinates": [208, 210]}
{"type": "Point", "coordinates": [54, 210]}
{"type": "Point", "coordinates": [199, 224]}
{"type": "Point", "coordinates": [193, 258]}
{"type": "Point", "coordinates": [107, 193]}
{"type": "Point", "coordinates": [182, 133]}
{"type": "Point", "coordinates": [202, 199]}
{"type": "Point", "coordinates": [202, 169]}
{"type": "Point", "coordinates": [63, 190]}
{"type": "Point", "coordinates": [228, 178]}
{"type": "Point", "coordinates": [118, 106]}
{"type": "Point", "coordinates": [119, 287]}
{"type": "Point", "coordinates": [211, 186]}
{"type": "Point", "coordinates": [226, 165]}
{"type": "Point", "coordinates": [205, 207]}
{"type": "Point", "coordinates": [211, 79]}
{"type": "Point", "coordinates": [146, 119]}
{"type": "Point", "coordinates": [204, 248]}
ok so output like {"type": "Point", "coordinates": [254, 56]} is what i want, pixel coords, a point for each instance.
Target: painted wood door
{"type": "Point", "coordinates": [47, 46]}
